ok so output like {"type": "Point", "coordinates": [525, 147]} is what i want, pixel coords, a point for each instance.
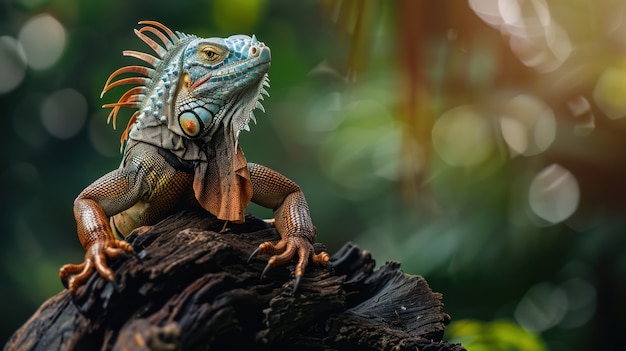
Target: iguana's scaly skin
{"type": "Point", "coordinates": [181, 151]}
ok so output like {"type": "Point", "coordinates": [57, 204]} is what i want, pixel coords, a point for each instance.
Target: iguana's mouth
{"type": "Point", "coordinates": [191, 86]}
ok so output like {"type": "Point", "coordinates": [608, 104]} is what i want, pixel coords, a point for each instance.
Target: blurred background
{"type": "Point", "coordinates": [481, 143]}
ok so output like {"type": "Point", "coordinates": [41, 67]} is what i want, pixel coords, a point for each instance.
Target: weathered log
{"type": "Point", "coordinates": [191, 288]}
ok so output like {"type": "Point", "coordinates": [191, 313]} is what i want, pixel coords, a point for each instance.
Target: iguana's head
{"type": "Point", "coordinates": [196, 84]}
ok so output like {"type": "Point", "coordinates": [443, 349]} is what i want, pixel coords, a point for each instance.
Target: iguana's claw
{"type": "Point", "coordinates": [74, 275]}
{"type": "Point", "coordinates": [267, 267]}
{"type": "Point", "coordinates": [295, 285]}
{"type": "Point", "coordinates": [285, 250]}
{"type": "Point", "coordinates": [256, 251]}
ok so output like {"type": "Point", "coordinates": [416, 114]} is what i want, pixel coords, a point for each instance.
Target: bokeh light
{"type": "Point", "coordinates": [584, 119]}
{"type": "Point", "coordinates": [609, 92]}
{"type": "Point", "coordinates": [534, 36]}
{"type": "Point", "coordinates": [63, 113]}
{"type": "Point", "coordinates": [528, 125]}
{"type": "Point", "coordinates": [566, 305]}
{"type": "Point", "coordinates": [546, 53]}
{"type": "Point", "coordinates": [43, 39]}
{"type": "Point", "coordinates": [581, 302]}
{"type": "Point", "coordinates": [543, 307]}
{"type": "Point", "coordinates": [463, 137]}
{"type": "Point", "coordinates": [12, 64]}
{"type": "Point", "coordinates": [488, 11]}
{"type": "Point", "coordinates": [554, 194]}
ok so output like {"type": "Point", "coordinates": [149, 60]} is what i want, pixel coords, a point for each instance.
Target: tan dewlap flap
{"type": "Point", "coordinates": [222, 185]}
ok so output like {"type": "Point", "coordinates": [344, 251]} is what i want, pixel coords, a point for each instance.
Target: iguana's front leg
{"type": "Point", "coordinates": [291, 218]}
{"type": "Point", "coordinates": [111, 194]}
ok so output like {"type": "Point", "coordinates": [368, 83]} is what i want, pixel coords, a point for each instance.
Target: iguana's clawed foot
{"type": "Point", "coordinates": [74, 275]}
{"type": "Point", "coordinates": [285, 250]}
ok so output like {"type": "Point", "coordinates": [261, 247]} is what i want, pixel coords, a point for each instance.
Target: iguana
{"type": "Point", "coordinates": [180, 150]}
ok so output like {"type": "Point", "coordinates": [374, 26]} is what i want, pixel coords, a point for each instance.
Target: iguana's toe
{"type": "Point", "coordinates": [68, 272]}
{"type": "Point", "coordinates": [285, 250]}
{"type": "Point", "coordinates": [74, 275]}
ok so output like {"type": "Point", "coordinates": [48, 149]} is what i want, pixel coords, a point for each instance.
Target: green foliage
{"type": "Point", "coordinates": [498, 335]}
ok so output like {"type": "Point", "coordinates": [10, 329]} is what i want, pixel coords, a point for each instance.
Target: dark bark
{"type": "Point", "coordinates": [190, 288]}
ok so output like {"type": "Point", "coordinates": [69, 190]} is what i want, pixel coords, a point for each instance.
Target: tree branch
{"type": "Point", "coordinates": [190, 288]}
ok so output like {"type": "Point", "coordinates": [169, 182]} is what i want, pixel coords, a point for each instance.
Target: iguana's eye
{"type": "Point", "coordinates": [212, 54]}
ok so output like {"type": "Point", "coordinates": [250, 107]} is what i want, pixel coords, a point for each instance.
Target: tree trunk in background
{"type": "Point", "coordinates": [190, 288]}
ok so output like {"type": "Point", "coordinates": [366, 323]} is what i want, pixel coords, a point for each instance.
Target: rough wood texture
{"type": "Point", "coordinates": [191, 288]}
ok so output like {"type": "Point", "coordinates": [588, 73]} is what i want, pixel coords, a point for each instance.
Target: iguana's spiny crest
{"type": "Point", "coordinates": [196, 84]}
